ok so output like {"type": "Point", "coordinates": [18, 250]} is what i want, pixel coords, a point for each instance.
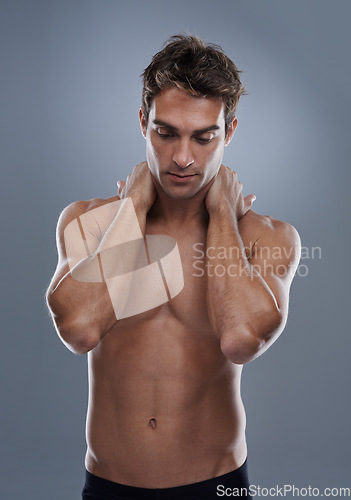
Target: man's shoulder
{"type": "Point", "coordinates": [81, 207]}
{"type": "Point", "coordinates": [267, 226]}
{"type": "Point", "coordinates": [270, 232]}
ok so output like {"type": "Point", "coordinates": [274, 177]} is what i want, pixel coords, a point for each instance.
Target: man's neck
{"type": "Point", "coordinates": [180, 213]}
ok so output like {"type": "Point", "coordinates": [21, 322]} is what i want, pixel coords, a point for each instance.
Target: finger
{"type": "Point", "coordinates": [248, 202]}
{"type": "Point", "coordinates": [120, 185]}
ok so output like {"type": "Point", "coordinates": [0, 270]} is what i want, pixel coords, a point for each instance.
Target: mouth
{"type": "Point", "coordinates": [181, 178]}
{"type": "Point", "coordinates": [180, 175]}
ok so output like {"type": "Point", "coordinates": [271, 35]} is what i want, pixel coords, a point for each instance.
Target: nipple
{"type": "Point", "coordinates": [152, 423]}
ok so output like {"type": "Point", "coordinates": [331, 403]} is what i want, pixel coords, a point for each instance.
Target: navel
{"type": "Point", "coordinates": [152, 423]}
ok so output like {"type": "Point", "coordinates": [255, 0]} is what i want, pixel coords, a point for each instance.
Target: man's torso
{"type": "Point", "coordinates": [164, 402]}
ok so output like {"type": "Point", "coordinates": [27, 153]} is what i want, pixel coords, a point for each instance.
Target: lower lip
{"type": "Point", "coordinates": [181, 180]}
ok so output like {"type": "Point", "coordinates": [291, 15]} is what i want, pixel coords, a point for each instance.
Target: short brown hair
{"type": "Point", "coordinates": [200, 69]}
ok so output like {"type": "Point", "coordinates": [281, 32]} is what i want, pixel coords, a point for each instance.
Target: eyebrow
{"type": "Point", "coordinates": [200, 131]}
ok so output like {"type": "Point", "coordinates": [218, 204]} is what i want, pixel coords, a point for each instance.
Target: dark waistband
{"type": "Point", "coordinates": [238, 478]}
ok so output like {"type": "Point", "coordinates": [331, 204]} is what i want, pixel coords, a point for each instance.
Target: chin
{"type": "Point", "coordinates": [180, 193]}
{"type": "Point", "coordinates": [184, 196]}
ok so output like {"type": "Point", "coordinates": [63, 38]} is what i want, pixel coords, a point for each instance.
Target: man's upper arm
{"type": "Point", "coordinates": [69, 214]}
{"type": "Point", "coordinates": [73, 232]}
{"type": "Point", "coordinates": [275, 257]}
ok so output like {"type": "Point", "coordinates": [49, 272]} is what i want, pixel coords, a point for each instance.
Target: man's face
{"type": "Point", "coordinates": [185, 139]}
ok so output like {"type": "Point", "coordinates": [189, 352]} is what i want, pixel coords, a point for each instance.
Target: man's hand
{"type": "Point", "coordinates": [226, 192]}
{"type": "Point", "coordinates": [139, 186]}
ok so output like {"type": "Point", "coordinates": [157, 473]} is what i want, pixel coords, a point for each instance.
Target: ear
{"type": "Point", "coordinates": [142, 122]}
{"type": "Point", "coordinates": [231, 130]}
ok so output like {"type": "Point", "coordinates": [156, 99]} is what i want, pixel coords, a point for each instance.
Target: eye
{"type": "Point", "coordinates": [162, 132]}
{"type": "Point", "coordinates": [205, 139]}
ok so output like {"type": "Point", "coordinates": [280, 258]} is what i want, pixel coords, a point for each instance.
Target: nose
{"type": "Point", "coordinates": [182, 155]}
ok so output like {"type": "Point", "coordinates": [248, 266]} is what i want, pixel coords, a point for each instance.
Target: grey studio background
{"type": "Point", "coordinates": [70, 94]}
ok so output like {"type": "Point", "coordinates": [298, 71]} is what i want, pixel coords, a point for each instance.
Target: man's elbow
{"type": "Point", "coordinates": [247, 342]}
{"type": "Point", "coordinates": [77, 335]}
{"type": "Point", "coordinates": [78, 341]}
{"type": "Point", "coordinates": [241, 348]}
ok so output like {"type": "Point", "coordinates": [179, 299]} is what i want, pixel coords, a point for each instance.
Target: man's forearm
{"type": "Point", "coordinates": [242, 309]}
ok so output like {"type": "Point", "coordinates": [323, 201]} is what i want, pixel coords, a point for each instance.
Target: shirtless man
{"type": "Point", "coordinates": [165, 415]}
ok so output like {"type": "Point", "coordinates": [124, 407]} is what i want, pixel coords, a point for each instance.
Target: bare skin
{"type": "Point", "coordinates": [164, 386]}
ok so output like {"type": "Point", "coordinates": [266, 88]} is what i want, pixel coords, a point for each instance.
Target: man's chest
{"type": "Point", "coordinates": [196, 264]}
{"type": "Point", "coordinates": [184, 315]}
